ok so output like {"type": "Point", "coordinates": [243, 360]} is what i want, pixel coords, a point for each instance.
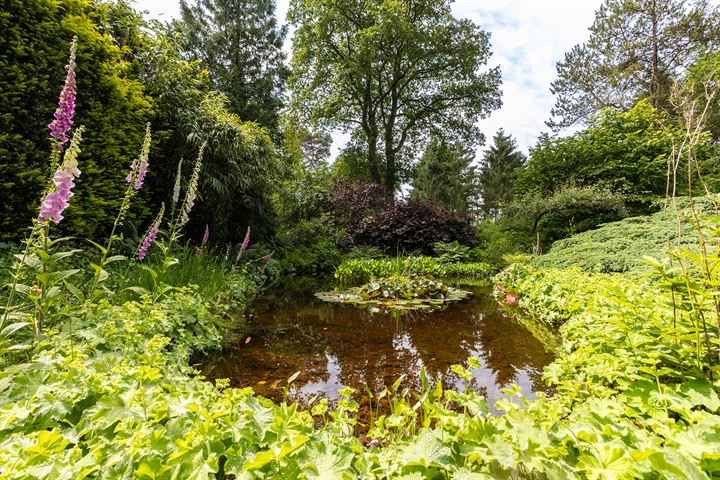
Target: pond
{"type": "Point", "coordinates": [335, 345]}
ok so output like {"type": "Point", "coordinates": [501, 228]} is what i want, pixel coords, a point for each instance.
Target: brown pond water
{"type": "Point", "coordinates": [336, 345]}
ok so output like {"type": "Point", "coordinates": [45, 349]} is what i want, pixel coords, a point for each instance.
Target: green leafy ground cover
{"type": "Point", "coordinates": [113, 397]}
{"type": "Point", "coordinates": [620, 246]}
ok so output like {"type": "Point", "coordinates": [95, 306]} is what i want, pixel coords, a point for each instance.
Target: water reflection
{"type": "Point", "coordinates": [336, 345]}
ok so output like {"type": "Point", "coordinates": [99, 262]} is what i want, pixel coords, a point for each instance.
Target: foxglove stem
{"type": "Point", "coordinates": [189, 200]}
{"type": "Point", "coordinates": [133, 178]}
{"type": "Point", "coordinates": [246, 241]}
{"type": "Point", "coordinates": [58, 131]}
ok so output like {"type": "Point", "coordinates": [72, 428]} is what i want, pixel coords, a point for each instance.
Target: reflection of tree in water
{"type": "Point", "coordinates": [333, 345]}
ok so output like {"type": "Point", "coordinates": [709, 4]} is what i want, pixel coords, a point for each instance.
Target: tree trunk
{"type": "Point", "coordinates": [655, 75]}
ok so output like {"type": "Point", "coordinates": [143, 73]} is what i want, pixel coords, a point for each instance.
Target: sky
{"type": "Point", "coordinates": [528, 38]}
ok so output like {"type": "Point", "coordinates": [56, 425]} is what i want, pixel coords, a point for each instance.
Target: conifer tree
{"type": "Point", "coordinates": [498, 171]}
{"type": "Point", "coordinates": [636, 49]}
{"type": "Point", "coordinates": [240, 44]}
{"type": "Point", "coordinates": [444, 175]}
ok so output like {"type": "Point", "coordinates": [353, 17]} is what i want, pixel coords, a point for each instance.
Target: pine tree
{"type": "Point", "coordinates": [636, 49]}
{"type": "Point", "coordinates": [498, 171]}
{"type": "Point", "coordinates": [444, 175]}
{"type": "Point", "coordinates": [240, 44]}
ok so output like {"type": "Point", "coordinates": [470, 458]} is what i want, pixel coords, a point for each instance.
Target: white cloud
{"type": "Point", "coordinates": [528, 37]}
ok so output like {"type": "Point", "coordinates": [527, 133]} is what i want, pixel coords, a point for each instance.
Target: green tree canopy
{"type": "Point", "coordinates": [394, 70]}
{"type": "Point", "coordinates": [622, 152]}
{"type": "Point", "coordinates": [499, 169]}
{"type": "Point", "coordinates": [635, 50]}
{"type": "Point", "coordinates": [445, 175]}
{"type": "Point", "coordinates": [240, 44]}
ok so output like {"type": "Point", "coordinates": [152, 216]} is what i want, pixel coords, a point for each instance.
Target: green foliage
{"type": "Point", "coordinates": [352, 273]}
{"type": "Point", "coordinates": [623, 152]}
{"type": "Point", "coordinates": [554, 296]}
{"type": "Point", "coordinates": [364, 251]}
{"type": "Point", "coordinates": [355, 272]}
{"type": "Point", "coordinates": [498, 238]}
{"type": "Point", "coordinates": [451, 252]}
{"type": "Point", "coordinates": [620, 246]}
{"type": "Point", "coordinates": [112, 105]}
{"type": "Point", "coordinates": [469, 270]}
{"type": "Point", "coordinates": [444, 175]}
{"type": "Point", "coordinates": [636, 50]}
{"type": "Point", "coordinates": [566, 211]}
{"type": "Point", "coordinates": [307, 231]}
{"type": "Point", "coordinates": [498, 173]}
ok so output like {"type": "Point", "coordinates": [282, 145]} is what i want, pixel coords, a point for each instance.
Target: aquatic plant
{"type": "Point", "coordinates": [398, 293]}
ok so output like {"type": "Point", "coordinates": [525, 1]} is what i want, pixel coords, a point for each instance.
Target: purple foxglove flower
{"type": "Point", "coordinates": [268, 256]}
{"type": "Point", "coordinates": [151, 235]}
{"type": "Point", "coordinates": [206, 236]}
{"type": "Point", "coordinates": [148, 241]}
{"type": "Point", "coordinates": [373, 443]}
{"type": "Point", "coordinates": [66, 106]}
{"type": "Point", "coordinates": [58, 197]}
{"type": "Point", "coordinates": [246, 242]}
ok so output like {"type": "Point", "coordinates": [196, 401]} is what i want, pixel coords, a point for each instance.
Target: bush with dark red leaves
{"type": "Point", "coordinates": [413, 224]}
{"type": "Point", "coordinates": [353, 201]}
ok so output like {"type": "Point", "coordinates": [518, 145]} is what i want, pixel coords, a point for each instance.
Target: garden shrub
{"type": "Point", "coordinates": [413, 224]}
{"type": "Point", "coordinates": [356, 272]}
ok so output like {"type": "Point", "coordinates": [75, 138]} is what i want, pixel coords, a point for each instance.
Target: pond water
{"type": "Point", "coordinates": [335, 345]}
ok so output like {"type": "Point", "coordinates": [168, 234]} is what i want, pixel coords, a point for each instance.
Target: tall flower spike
{"type": "Point", "coordinates": [192, 188]}
{"type": "Point", "coordinates": [138, 168]}
{"type": "Point", "coordinates": [151, 234]}
{"type": "Point", "coordinates": [58, 198]}
{"type": "Point", "coordinates": [176, 188]}
{"type": "Point", "coordinates": [246, 241]}
{"type": "Point", "coordinates": [66, 106]}
{"type": "Point", "coordinates": [206, 236]}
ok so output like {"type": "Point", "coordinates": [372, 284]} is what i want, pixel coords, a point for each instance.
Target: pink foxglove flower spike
{"type": "Point", "coordinates": [58, 198]}
{"type": "Point", "coordinates": [246, 241]}
{"type": "Point", "coordinates": [151, 235]}
{"type": "Point", "coordinates": [206, 236]}
{"type": "Point", "coordinates": [66, 107]}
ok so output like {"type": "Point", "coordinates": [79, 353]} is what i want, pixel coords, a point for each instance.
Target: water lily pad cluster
{"type": "Point", "coordinates": [399, 292]}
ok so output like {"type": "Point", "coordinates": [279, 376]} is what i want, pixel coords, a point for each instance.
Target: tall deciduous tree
{"type": "Point", "coordinates": [240, 44]}
{"type": "Point", "coordinates": [636, 49]}
{"type": "Point", "coordinates": [444, 175]}
{"type": "Point", "coordinates": [393, 69]}
{"type": "Point", "coordinates": [498, 172]}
